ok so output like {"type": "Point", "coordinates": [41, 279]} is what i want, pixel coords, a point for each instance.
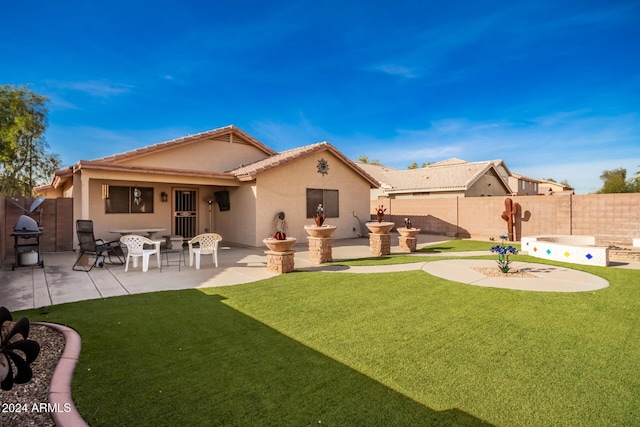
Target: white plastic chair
{"type": "Point", "coordinates": [208, 244]}
{"type": "Point", "coordinates": [135, 249]}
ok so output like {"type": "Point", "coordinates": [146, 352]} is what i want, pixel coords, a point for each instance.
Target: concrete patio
{"type": "Point", "coordinates": [57, 283]}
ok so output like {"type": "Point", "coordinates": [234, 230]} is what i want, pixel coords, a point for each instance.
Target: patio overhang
{"type": "Point", "coordinates": [155, 174]}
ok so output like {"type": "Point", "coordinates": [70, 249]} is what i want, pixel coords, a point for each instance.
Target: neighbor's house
{"type": "Point", "coordinates": [449, 178]}
{"type": "Point", "coordinates": [552, 188]}
{"type": "Point", "coordinates": [523, 186]}
{"type": "Point", "coordinates": [224, 181]}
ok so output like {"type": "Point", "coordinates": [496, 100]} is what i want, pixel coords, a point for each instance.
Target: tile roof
{"type": "Point", "coordinates": [249, 172]}
{"type": "Point", "coordinates": [241, 173]}
{"type": "Point", "coordinates": [448, 175]}
{"type": "Point", "coordinates": [226, 130]}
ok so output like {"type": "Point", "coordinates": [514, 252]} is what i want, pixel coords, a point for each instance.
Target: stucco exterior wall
{"type": "Point", "coordinates": [207, 155]}
{"type": "Point", "coordinates": [487, 185]}
{"type": "Point", "coordinates": [238, 224]}
{"type": "Point", "coordinates": [284, 189]}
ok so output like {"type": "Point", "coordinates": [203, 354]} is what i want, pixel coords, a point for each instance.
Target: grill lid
{"type": "Point", "coordinates": [26, 224]}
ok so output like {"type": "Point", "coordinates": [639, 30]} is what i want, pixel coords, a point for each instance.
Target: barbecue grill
{"type": "Point", "coordinates": [26, 233]}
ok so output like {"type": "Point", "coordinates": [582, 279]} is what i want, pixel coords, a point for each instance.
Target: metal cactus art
{"type": "Point", "coordinates": [280, 233]}
{"type": "Point", "coordinates": [509, 215]}
{"type": "Point", "coordinates": [380, 210]}
{"type": "Point", "coordinates": [8, 355]}
{"type": "Point", "coordinates": [319, 216]}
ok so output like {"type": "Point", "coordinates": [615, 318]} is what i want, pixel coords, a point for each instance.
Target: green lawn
{"type": "Point", "coordinates": [373, 349]}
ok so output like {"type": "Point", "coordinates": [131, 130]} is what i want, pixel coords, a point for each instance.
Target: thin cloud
{"type": "Point", "coordinates": [397, 70]}
{"type": "Point", "coordinates": [98, 88]}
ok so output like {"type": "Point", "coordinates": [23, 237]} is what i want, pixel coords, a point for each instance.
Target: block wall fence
{"type": "Point", "coordinates": [611, 218]}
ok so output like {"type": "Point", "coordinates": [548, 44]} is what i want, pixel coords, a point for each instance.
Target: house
{"type": "Point", "coordinates": [552, 188]}
{"type": "Point", "coordinates": [224, 181]}
{"type": "Point", "coordinates": [449, 178]}
{"type": "Point", "coordinates": [523, 186]}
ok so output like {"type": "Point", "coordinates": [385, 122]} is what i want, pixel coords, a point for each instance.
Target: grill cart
{"type": "Point", "coordinates": [27, 243]}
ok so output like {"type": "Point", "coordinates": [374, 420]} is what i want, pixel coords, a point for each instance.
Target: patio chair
{"type": "Point", "coordinates": [135, 249]}
{"type": "Point", "coordinates": [97, 248]}
{"type": "Point", "coordinates": [207, 244]}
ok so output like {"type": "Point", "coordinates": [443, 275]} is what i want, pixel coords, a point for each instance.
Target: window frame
{"type": "Point", "coordinates": [330, 204]}
{"type": "Point", "coordinates": [142, 203]}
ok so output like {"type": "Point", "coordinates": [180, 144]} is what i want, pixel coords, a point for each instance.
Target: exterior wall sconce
{"type": "Point", "coordinates": [105, 191]}
{"type": "Point", "coordinates": [164, 197]}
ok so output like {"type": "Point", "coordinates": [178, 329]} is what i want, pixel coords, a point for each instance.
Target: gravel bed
{"type": "Point", "coordinates": [512, 273]}
{"type": "Point", "coordinates": [21, 406]}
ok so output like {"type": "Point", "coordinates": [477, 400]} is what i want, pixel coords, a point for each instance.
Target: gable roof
{"type": "Point", "coordinates": [241, 173]}
{"type": "Point", "coordinates": [250, 171]}
{"type": "Point", "coordinates": [448, 175]}
{"type": "Point", "coordinates": [231, 131]}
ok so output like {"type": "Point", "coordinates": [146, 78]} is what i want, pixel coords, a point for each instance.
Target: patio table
{"type": "Point", "coordinates": [151, 232]}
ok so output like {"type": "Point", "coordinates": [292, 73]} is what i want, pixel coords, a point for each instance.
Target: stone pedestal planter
{"type": "Point", "coordinates": [320, 230]}
{"type": "Point", "coordinates": [408, 232]}
{"type": "Point", "coordinates": [320, 249]}
{"type": "Point", "coordinates": [280, 262]}
{"type": "Point", "coordinates": [280, 258]}
{"type": "Point", "coordinates": [407, 240]}
{"type": "Point", "coordinates": [380, 244]}
{"type": "Point", "coordinates": [379, 238]}
{"type": "Point", "coordinates": [379, 227]}
{"type": "Point", "coordinates": [320, 243]}
{"type": "Point", "coordinates": [407, 244]}
{"type": "Point", "coordinates": [279, 245]}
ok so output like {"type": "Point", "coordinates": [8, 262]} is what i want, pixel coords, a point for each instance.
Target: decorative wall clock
{"type": "Point", "coordinates": [323, 167]}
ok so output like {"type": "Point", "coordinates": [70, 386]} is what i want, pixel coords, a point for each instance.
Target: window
{"type": "Point", "coordinates": [523, 184]}
{"type": "Point", "coordinates": [128, 199]}
{"type": "Point", "coordinates": [328, 198]}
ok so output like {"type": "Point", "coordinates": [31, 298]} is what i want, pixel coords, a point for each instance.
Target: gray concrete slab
{"type": "Point", "coordinates": [548, 278]}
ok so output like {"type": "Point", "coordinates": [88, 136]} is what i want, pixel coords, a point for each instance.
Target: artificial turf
{"type": "Point", "coordinates": [360, 349]}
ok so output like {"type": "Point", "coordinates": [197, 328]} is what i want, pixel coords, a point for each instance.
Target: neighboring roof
{"type": "Point", "coordinates": [525, 178]}
{"type": "Point", "coordinates": [555, 184]}
{"type": "Point", "coordinates": [377, 171]}
{"type": "Point", "coordinates": [230, 130]}
{"type": "Point", "coordinates": [448, 175]}
{"type": "Point", "coordinates": [250, 171]}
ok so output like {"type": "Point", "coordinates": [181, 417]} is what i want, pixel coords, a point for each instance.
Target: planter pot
{"type": "Point", "coordinates": [379, 227]}
{"type": "Point", "coordinates": [408, 232]}
{"type": "Point", "coordinates": [279, 245]}
{"type": "Point", "coordinates": [320, 231]}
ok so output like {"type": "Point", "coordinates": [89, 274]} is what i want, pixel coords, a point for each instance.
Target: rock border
{"type": "Point", "coordinates": [60, 386]}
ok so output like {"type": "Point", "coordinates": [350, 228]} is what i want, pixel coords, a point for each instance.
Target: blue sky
{"type": "Point", "coordinates": [550, 87]}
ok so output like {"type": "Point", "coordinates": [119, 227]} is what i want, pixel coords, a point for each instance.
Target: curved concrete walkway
{"type": "Point", "coordinates": [549, 278]}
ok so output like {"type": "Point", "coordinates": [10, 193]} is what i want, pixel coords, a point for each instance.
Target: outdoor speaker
{"type": "Point", "coordinates": [222, 199]}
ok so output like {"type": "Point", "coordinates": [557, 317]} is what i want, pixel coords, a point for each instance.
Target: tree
{"type": "Point", "coordinates": [365, 159]}
{"type": "Point", "coordinates": [24, 160]}
{"type": "Point", "coordinates": [413, 165]}
{"type": "Point", "coordinates": [615, 181]}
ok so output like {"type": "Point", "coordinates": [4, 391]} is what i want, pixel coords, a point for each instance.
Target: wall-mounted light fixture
{"type": "Point", "coordinates": [164, 197]}
{"type": "Point", "coordinates": [105, 191]}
